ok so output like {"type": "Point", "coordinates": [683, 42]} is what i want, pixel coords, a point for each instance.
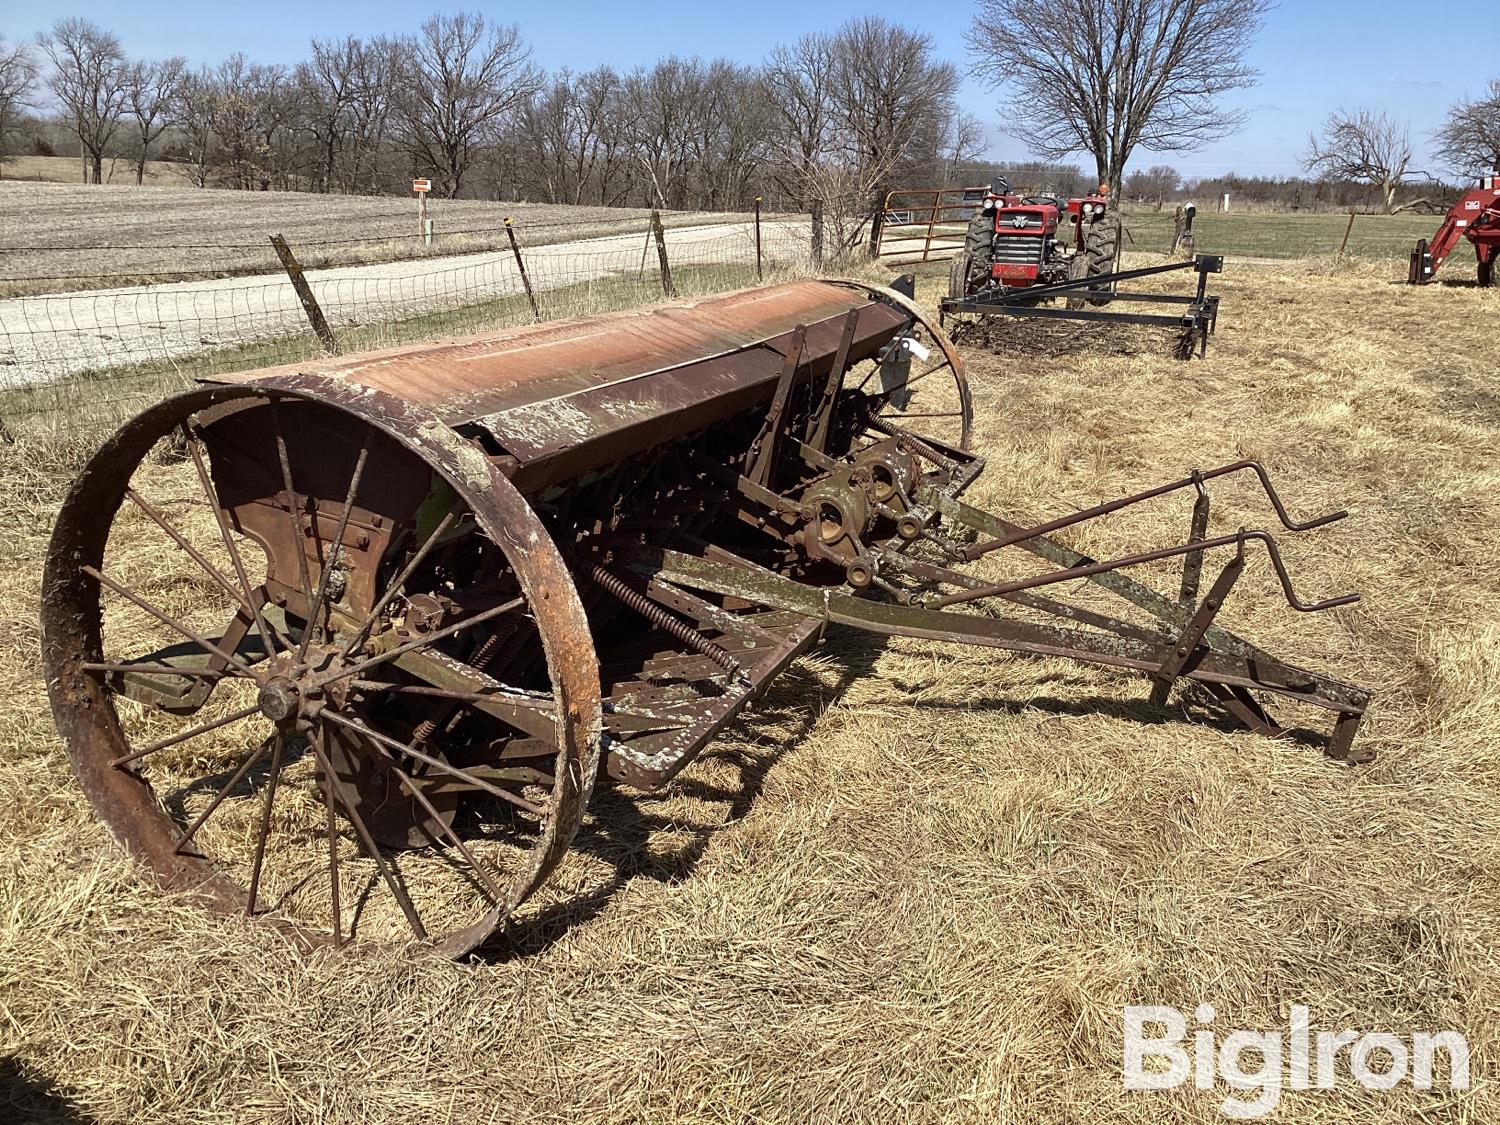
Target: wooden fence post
{"type": "Point", "coordinates": [1347, 231]}
{"type": "Point", "coordinates": [760, 273]}
{"type": "Point", "coordinates": [305, 295]}
{"type": "Point", "coordinates": [515, 248]}
{"type": "Point", "coordinates": [877, 223]}
{"type": "Point", "coordinates": [817, 234]}
{"type": "Point", "coordinates": [661, 254]}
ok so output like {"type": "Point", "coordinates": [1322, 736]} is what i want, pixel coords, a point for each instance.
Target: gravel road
{"type": "Point", "coordinates": [47, 337]}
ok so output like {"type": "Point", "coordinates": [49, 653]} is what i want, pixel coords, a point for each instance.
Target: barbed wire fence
{"type": "Point", "coordinates": [167, 314]}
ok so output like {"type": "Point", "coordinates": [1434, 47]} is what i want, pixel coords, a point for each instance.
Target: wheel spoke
{"type": "Point", "coordinates": [425, 640]}
{"type": "Point", "coordinates": [933, 370]}
{"type": "Point", "coordinates": [335, 550]}
{"type": "Point", "coordinates": [436, 763]}
{"type": "Point", "coordinates": [171, 622]}
{"type": "Point", "coordinates": [333, 836]}
{"type": "Point", "coordinates": [410, 785]}
{"type": "Point", "coordinates": [154, 669]}
{"type": "Point", "coordinates": [202, 728]}
{"type": "Point", "coordinates": [293, 505]}
{"type": "Point", "coordinates": [218, 799]}
{"type": "Point", "coordinates": [265, 823]}
{"type": "Point", "coordinates": [196, 450]}
{"type": "Point", "coordinates": [925, 372]}
{"type": "Point", "coordinates": [197, 556]}
{"type": "Point", "coordinates": [372, 849]}
{"type": "Point", "coordinates": [397, 583]}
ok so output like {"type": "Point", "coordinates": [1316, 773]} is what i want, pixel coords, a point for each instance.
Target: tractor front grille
{"type": "Point", "coordinates": [1018, 250]}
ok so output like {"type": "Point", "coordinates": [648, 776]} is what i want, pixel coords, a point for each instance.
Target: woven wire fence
{"type": "Point", "coordinates": [95, 355]}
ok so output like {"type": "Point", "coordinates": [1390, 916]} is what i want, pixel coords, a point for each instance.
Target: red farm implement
{"type": "Point", "coordinates": [1476, 216]}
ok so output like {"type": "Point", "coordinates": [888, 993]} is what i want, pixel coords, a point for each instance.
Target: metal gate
{"type": "Point", "coordinates": [924, 224]}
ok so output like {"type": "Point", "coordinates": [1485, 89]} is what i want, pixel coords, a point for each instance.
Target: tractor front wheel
{"type": "Point", "coordinates": [1078, 269]}
{"type": "Point", "coordinates": [958, 277]}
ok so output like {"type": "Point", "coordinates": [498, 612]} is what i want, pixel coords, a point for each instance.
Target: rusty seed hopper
{"type": "Point", "coordinates": [348, 645]}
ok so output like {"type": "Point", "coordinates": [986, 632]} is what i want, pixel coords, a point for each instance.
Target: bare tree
{"type": "Point", "coordinates": [18, 79]}
{"type": "Point", "coordinates": [369, 116]}
{"type": "Point", "coordinates": [1469, 139]}
{"type": "Point", "coordinates": [1153, 185]}
{"type": "Point", "coordinates": [894, 99]}
{"type": "Point", "coordinates": [796, 79]}
{"type": "Point", "coordinates": [852, 108]}
{"type": "Point", "coordinates": [458, 79]}
{"type": "Point", "coordinates": [965, 144]}
{"type": "Point", "coordinates": [1107, 78]}
{"type": "Point", "coordinates": [1365, 146]}
{"type": "Point", "coordinates": [193, 111]}
{"type": "Point", "coordinates": [89, 77]}
{"type": "Point", "coordinates": [562, 133]}
{"type": "Point", "coordinates": [330, 83]}
{"type": "Point", "coordinates": [658, 106]}
{"type": "Point", "coordinates": [151, 90]}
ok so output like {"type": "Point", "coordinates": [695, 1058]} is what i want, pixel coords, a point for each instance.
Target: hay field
{"type": "Point", "coordinates": [920, 882]}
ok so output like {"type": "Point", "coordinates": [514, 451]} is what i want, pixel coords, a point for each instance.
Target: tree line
{"type": "Point", "coordinates": [836, 114]}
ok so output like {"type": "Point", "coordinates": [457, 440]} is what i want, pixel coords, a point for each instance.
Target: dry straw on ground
{"type": "Point", "coordinates": [920, 882]}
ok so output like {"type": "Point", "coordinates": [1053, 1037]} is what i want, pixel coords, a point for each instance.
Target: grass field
{"type": "Point", "coordinates": [919, 883]}
{"type": "Point", "coordinates": [1296, 235]}
{"type": "Point", "coordinates": [66, 170]}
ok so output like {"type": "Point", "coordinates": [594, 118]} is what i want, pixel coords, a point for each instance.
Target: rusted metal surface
{"type": "Point", "coordinates": [464, 578]}
{"type": "Point", "coordinates": [481, 375]}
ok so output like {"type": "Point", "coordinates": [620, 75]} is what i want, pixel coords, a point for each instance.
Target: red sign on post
{"type": "Point", "coordinates": [421, 187]}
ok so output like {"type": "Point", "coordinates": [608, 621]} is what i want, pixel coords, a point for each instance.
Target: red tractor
{"type": "Point", "coordinates": [1016, 242]}
{"type": "Point", "coordinates": [1476, 216]}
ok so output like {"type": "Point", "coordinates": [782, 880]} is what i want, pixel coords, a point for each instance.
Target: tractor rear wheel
{"type": "Point", "coordinates": [1100, 247]}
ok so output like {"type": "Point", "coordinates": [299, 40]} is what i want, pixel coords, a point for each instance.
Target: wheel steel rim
{"type": "Point", "coordinates": [107, 761]}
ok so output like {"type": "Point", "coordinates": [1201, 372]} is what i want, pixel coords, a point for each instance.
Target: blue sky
{"type": "Point", "coordinates": [1313, 56]}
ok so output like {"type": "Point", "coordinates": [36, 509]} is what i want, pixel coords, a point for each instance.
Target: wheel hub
{"type": "Point", "coordinates": [279, 700]}
{"type": "Point", "coordinates": [294, 691]}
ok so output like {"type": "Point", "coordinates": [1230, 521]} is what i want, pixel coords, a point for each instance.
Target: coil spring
{"type": "Point", "coordinates": [483, 657]}
{"type": "Point", "coordinates": [663, 620]}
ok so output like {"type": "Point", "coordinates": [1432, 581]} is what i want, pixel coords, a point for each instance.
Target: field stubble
{"type": "Point", "coordinates": [920, 882]}
{"type": "Point", "coordinates": [68, 237]}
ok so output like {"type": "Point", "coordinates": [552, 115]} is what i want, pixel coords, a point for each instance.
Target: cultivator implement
{"type": "Point", "coordinates": [1196, 321]}
{"type": "Point", "coordinates": [348, 645]}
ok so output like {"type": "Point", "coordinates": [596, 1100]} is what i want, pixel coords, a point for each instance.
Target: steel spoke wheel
{"type": "Point", "coordinates": [321, 664]}
{"type": "Point", "coordinates": [925, 396]}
